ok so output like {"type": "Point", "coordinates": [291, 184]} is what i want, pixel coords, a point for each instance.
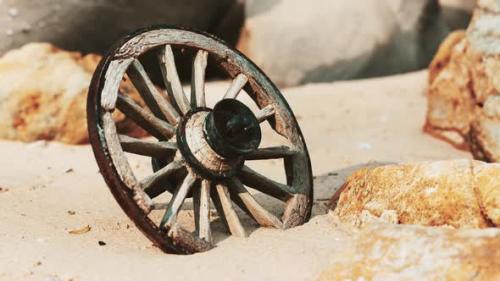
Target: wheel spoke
{"type": "Point", "coordinates": [263, 184]}
{"type": "Point", "coordinates": [265, 113]}
{"type": "Point", "coordinates": [153, 125]}
{"type": "Point", "coordinates": [171, 79]}
{"type": "Point", "coordinates": [177, 200]}
{"type": "Point", "coordinates": [236, 86]}
{"type": "Point", "coordinates": [156, 102]}
{"type": "Point", "coordinates": [242, 197]}
{"type": "Point", "coordinates": [201, 203]}
{"type": "Point", "coordinates": [160, 176]}
{"type": "Point", "coordinates": [225, 209]}
{"type": "Point", "coordinates": [146, 148]}
{"type": "Point", "coordinates": [270, 153]}
{"type": "Point", "coordinates": [198, 79]}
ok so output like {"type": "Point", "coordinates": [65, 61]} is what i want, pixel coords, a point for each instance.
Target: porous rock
{"type": "Point", "coordinates": [454, 193]}
{"type": "Point", "coordinates": [464, 88]}
{"type": "Point", "coordinates": [43, 93]}
{"type": "Point", "coordinates": [403, 252]}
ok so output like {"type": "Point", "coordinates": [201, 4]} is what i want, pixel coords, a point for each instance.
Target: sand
{"type": "Point", "coordinates": [49, 189]}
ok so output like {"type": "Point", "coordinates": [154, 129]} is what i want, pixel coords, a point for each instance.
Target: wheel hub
{"type": "Point", "coordinates": [214, 142]}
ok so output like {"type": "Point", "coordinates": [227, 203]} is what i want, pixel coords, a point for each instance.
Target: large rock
{"type": "Point", "coordinates": [93, 25]}
{"type": "Point", "coordinates": [43, 93]}
{"type": "Point", "coordinates": [297, 42]}
{"type": "Point", "coordinates": [455, 193]}
{"type": "Point", "coordinates": [464, 88]}
{"type": "Point", "coordinates": [457, 13]}
{"type": "Point", "coordinates": [385, 252]}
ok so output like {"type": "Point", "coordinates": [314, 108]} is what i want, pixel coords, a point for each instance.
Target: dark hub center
{"type": "Point", "coordinates": [231, 129]}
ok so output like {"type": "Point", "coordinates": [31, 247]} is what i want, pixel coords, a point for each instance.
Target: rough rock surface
{"type": "Point", "coordinates": [43, 94]}
{"type": "Point", "coordinates": [454, 193]}
{"type": "Point", "coordinates": [464, 88]}
{"type": "Point", "coordinates": [295, 42]}
{"type": "Point", "coordinates": [395, 252]}
{"type": "Point", "coordinates": [70, 24]}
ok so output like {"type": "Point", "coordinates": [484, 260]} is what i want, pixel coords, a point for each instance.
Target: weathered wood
{"type": "Point", "coordinates": [236, 86]}
{"type": "Point", "coordinates": [153, 125]}
{"type": "Point", "coordinates": [171, 78]}
{"type": "Point", "coordinates": [270, 153]}
{"type": "Point", "coordinates": [177, 200]}
{"type": "Point", "coordinates": [201, 203]}
{"type": "Point", "coordinates": [115, 150]}
{"type": "Point", "coordinates": [157, 103]}
{"type": "Point", "coordinates": [261, 215]}
{"type": "Point", "coordinates": [186, 240]}
{"type": "Point", "coordinates": [261, 90]}
{"type": "Point", "coordinates": [114, 76]}
{"type": "Point", "coordinates": [146, 148]}
{"type": "Point", "coordinates": [159, 206]}
{"type": "Point", "coordinates": [265, 113]}
{"type": "Point", "coordinates": [218, 207]}
{"type": "Point", "coordinates": [263, 184]}
{"type": "Point", "coordinates": [296, 211]}
{"type": "Point", "coordinates": [230, 214]}
{"type": "Point", "coordinates": [160, 176]}
{"type": "Point", "coordinates": [198, 79]}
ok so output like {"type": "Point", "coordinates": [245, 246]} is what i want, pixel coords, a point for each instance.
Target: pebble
{"type": "Point", "coordinates": [364, 146]}
{"type": "Point", "coordinates": [13, 12]}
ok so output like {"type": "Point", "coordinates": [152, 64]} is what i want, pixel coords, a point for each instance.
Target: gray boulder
{"type": "Point", "coordinates": [93, 25]}
{"type": "Point", "coordinates": [297, 42]}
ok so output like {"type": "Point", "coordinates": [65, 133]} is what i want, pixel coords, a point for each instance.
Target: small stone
{"type": "Point", "coordinates": [101, 243]}
{"type": "Point", "coordinates": [26, 28]}
{"type": "Point", "coordinates": [80, 230]}
{"type": "Point", "coordinates": [72, 213]}
{"type": "Point", "coordinates": [364, 146]}
{"type": "Point", "coordinates": [13, 12]}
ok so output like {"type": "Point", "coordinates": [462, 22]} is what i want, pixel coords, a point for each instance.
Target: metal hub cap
{"type": "Point", "coordinates": [214, 142]}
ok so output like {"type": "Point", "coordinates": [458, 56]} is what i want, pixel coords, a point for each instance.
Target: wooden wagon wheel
{"type": "Point", "coordinates": [197, 152]}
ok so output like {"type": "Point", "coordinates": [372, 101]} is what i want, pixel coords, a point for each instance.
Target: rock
{"type": "Point", "coordinates": [488, 191]}
{"type": "Point", "coordinates": [463, 102]}
{"type": "Point", "coordinates": [70, 24]}
{"type": "Point", "coordinates": [455, 193]}
{"type": "Point", "coordinates": [457, 13]}
{"type": "Point", "coordinates": [395, 252]}
{"type": "Point", "coordinates": [295, 42]}
{"type": "Point", "coordinates": [43, 93]}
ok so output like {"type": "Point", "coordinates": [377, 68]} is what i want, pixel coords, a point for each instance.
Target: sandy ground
{"type": "Point", "coordinates": [49, 188]}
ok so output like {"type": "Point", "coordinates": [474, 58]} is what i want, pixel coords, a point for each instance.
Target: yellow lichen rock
{"type": "Point", "coordinates": [456, 193]}
{"type": "Point", "coordinates": [43, 93]}
{"type": "Point", "coordinates": [464, 86]}
{"type": "Point", "coordinates": [403, 252]}
{"type": "Point", "coordinates": [487, 186]}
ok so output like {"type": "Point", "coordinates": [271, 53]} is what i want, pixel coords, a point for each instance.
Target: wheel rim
{"type": "Point", "coordinates": [162, 115]}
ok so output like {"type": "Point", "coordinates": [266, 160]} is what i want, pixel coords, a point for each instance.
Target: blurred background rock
{"type": "Point", "coordinates": [295, 42]}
